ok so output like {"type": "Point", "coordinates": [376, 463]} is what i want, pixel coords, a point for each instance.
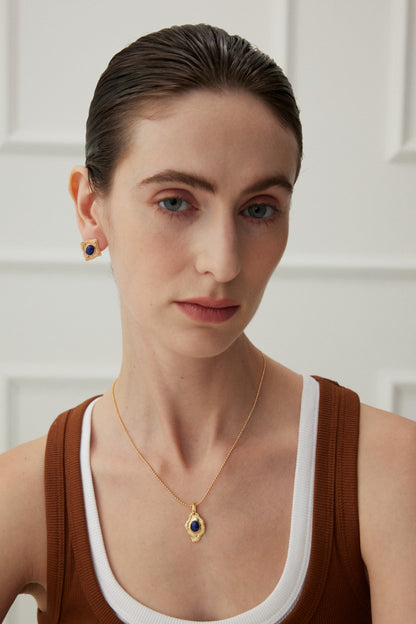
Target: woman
{"type": "Point", "coordinates": [209, 482]}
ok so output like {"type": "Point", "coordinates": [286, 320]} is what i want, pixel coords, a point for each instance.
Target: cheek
{"type": "Point", "coordinates": [164, 251]}
{"type": "Point", "coordinates": [153, 258]}
{"type": "Point", "coordinates": [267, 256]}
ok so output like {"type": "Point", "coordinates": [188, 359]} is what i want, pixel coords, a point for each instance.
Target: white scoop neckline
{"type": "Point", "coordinates": [285, 595]}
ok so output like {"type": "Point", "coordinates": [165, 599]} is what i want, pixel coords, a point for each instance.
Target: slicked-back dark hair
{"type": "Point", "coordinates": [175, 61]}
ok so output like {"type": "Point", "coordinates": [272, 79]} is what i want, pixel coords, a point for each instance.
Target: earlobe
{"type": "Point", "coordinates": [86, 207]}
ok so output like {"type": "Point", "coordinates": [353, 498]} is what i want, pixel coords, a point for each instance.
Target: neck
{"type": "Point", "coordinates": [184, 407]}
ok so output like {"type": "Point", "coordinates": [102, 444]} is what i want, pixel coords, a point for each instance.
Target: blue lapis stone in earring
{"type": "Point", "coordinates": [195, 525]}
{"type": "Point", "coordinates": [90, 249]}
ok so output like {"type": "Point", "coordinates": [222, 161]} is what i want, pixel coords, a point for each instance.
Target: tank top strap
{"type": "Point", "coordinates": [55, 518]}
{"type": "Point", "coordinates": [323, 509]}
{"type": "Point", "coordinates": [346, 494]}
{"type": "Point", "coordinates": [336, 495]}
{"type": "Point", "coordinates": [61, 470]}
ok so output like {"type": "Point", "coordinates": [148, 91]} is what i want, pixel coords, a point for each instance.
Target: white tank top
{"type": "Point", "coordinates": [285, 595]}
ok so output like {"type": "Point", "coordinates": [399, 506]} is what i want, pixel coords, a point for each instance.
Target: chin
{"type": "Point", "coordinates": [202, 347]}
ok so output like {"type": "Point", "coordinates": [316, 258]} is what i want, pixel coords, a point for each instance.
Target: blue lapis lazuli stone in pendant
{"type": "Point", "coordinates": [195, 525]}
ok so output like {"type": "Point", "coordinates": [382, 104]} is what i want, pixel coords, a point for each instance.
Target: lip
{"type": "Point", "coordinates": [207, 309]}
{"type": "Point", "coordinates": [209, 302]}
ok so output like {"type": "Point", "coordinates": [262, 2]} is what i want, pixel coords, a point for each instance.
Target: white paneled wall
{"type": "Point", "coordinates": [49, 47]}
{"type": "Point", "coordinates": [342, 304]}
{"type": "Point", "coordinates": [33, 391]}
{"type": "Point", "coordinates": [402, 122]}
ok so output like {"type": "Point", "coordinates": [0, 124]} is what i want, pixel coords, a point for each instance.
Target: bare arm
{"type": "Point", "coordinates": [387, 501]}
{"type": "Point", "coordinates": [22, 524]}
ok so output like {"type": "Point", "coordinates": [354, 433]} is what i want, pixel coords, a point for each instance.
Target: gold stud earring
{"type": "Point", "coordinates": [90, 249]}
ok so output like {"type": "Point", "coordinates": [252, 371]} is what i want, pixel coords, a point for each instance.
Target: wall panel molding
{"type": "Point", "coordinates": [5, 71]}
{"type": "Point", "coordinates": [391, 384]}
{"type": "Point", "coordinates": [15, 138]}
{"type": "Point", "coordinates": [281, 49]}
{"type": "Point", "coordinates": [367, 267]}
{"type": "Point", "coordinates": [291, 265]}
{"type": "Point", "coordinates": [14, 377]}
{"type": "Point", "coordinates": [402, 114]}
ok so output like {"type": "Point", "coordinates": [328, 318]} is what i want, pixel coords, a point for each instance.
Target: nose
{"type": "Point", "coordinates": [219, 253]}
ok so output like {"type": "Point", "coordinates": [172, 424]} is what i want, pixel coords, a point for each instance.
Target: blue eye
{"type": "Point", "coordinates": [174, 204]}
{"type": "Point", "coordinates": [259, 211]}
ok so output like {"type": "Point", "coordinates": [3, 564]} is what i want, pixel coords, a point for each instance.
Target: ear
{"type": "Point", "coordinates": [87, 207]}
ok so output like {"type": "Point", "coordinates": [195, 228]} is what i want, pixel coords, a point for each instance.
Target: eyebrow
{"type": "Point", "coordinates": [172, 176]}
{"type": "Point", "coordinates": [274, 180]}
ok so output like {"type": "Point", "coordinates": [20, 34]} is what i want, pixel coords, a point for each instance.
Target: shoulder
{"type": "Point", "coordinates": [22, 488]}
{"type": "Point", "coordinates": [22, 520]}
{"type": "Point", "coordinates": [387, 447]}
{"type": "Point", "coordinates": [386, 465]}
{"type": "Point", "coordinates": [387, 506]}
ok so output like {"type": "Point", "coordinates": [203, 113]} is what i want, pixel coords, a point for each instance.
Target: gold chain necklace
{"type": "Point", "coordinates": [195, 525]}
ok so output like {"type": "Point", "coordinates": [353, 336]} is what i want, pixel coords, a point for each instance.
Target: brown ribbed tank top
{"type": "Point", "coordinates": [335, 589]}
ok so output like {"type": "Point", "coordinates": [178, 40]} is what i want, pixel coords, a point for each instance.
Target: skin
{"type": "Point", "coordinates": [185, 386]}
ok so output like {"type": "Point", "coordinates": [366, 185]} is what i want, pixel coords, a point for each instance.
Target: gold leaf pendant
{"type": "Point", "coordinates": [195, 525]}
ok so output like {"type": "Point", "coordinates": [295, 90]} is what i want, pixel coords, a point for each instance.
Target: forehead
{"type": "Point", "coordinates": [217, 133]}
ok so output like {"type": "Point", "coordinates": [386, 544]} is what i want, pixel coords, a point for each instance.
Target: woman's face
{"type": "Point", "coordinates": [197, 219]}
